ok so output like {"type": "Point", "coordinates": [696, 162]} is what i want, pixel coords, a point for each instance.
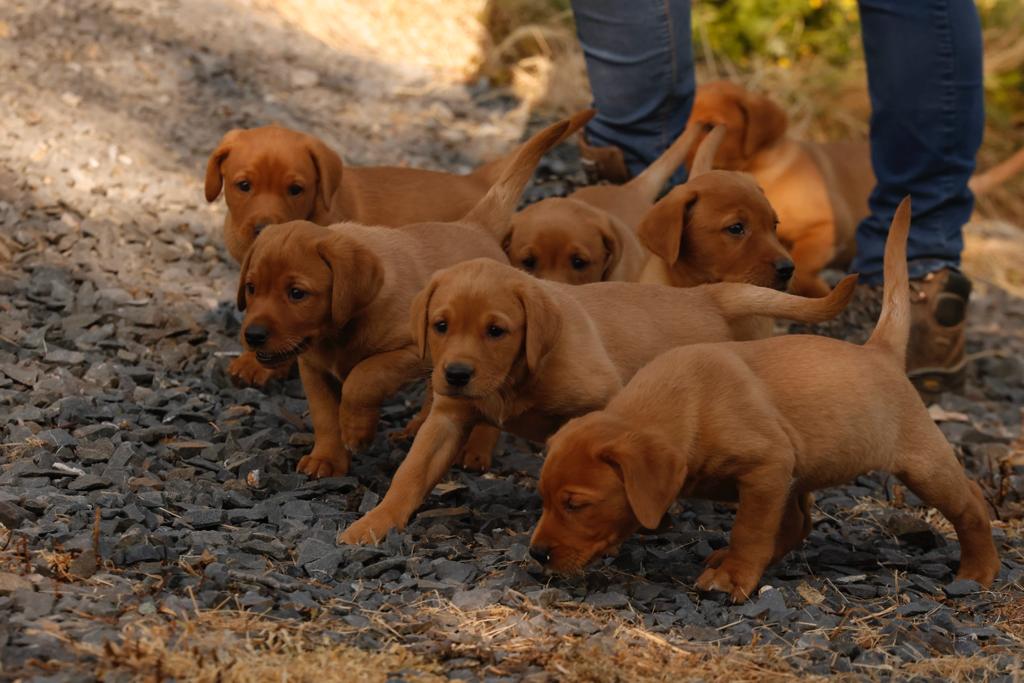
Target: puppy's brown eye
{"type": "Point", "coordinates": [573, 505]}
{"type": "Point", "coordinates": [736, 229]}
{"type": "Point", "coordinates": [295, 190]}
{"type": "Point", "coordinates": [578, 263]}
{"type": "Point", "coordinates": [243, 185]}
{"type": "Point", "coordinates": [495, 332]}
{"type": "Point", "coordinates": [296, 294]}
{"type": "Point", "coordinates": [250, 288]}
{"type": "Point", "coordinates": [441, 327]}
{"type": "Point", "coordinates": [529, 263]}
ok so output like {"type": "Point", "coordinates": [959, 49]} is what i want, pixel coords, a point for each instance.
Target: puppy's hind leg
{"type": "Point", "coordinates": [796, 524]}
{"type": "Point", "coordinates": [938, 479]}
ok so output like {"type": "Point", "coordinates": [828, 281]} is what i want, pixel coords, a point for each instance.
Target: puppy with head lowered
{"type": "Point", "coordinates": [338, 299]}
{"type": "Point", "coordinates": [273, 175]}
{"type": "Point", "coordinates": [525, 355]}
{"type": "Point", "coordinates": [764, 423]}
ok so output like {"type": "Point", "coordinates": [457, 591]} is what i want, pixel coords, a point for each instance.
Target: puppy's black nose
{"type": "Point", "coordinates": [540, 553]}
{"type": "Point", "coordinates": [458, 374]}
{"type": "Point", "coordinates": [258, 228]}
{"type": "Point", "coordinates": [256, 336]}
{"type": "Point", "coordinates": [784, 268]}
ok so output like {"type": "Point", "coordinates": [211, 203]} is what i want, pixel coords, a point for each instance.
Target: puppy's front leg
{"type": "Point", "coordinates": [764, 492]}
{"type": "Point", "coordinates": [433, 451]}
{"type": "Point", "coordinates": [328, 457]}
{"type": "Point", "coordinates": [370, 383]}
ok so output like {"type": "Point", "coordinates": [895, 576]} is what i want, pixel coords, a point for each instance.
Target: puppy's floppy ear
{"type": "Point", "coordinates": [240, 301]}
{"type": "Point", "coordinates": [652, 473]}
{"type": "Point", "coordinates": [214, 175]}
{"type": "Point", "coordinates": [543, 322]}
{"type": "Point", "coordinates": [766, 122]}
{"type": "Point", "coordinates": [419, 315]}
{"type": "Point", "coordinates": [611, 235]}
{"type": "Point", "coordinates": [661, 229]}
{"type": "Point", "coordinates": [357, 272]}
{"type": "Point", "coordinates": [328, 170]}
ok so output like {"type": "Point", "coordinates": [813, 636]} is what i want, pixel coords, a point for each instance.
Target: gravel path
{"type": "Point", "coordinates": [140, 490]}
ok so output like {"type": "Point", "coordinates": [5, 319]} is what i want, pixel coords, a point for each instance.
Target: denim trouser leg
{"type": "Point", "coordinates": [640, 65]}
{"type": "Point", "coordinates": [925, 80]}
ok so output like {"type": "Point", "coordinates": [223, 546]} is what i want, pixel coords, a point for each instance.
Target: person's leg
{"type": "Point", "coordinates": [640, 65]}
{"type": "Point", "coordinates": [924, 60]}
{"type": "Point", "coordinates": [925, 81]}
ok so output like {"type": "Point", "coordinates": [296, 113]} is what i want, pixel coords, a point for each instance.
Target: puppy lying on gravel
{"type": "Point", "coordinates": [274, 175]}
{"type": "Point", "coordinates": [338, 299]}
{"type": "Point", "coordinates": [764, 423]}
{"type": "Point", "coordinates": [525, 355]}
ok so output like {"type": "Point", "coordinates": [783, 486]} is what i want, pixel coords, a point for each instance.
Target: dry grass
{"type": "Point", "coordinates": [994, 253]}
{"type": "Point", "coordinates": [15, 450]}
{"type": "Point", "coordinates": [227, 647]}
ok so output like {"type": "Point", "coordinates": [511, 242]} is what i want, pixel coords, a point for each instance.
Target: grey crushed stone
{"type": "Point", "coordinates": [116, 308]}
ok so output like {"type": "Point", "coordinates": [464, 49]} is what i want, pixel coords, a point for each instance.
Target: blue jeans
{"type": "Point", "coordinates": [640, 65]}
{"type": "Point", "coordinates": [925, 82]}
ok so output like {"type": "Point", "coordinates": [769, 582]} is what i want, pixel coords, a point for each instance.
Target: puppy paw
{"type": "Point", "coordinates": [247, 371]}
{"type": "Point", "coordinates": [407, 433]}
{"type": "Point", "coordinates": [716, 557]}
{"type": "Point", "coordinates": [371, 529]}
{"type": "Point", "coordinates": [319, 464]}
{"type": "Point", "coordinates": [475, 459]}
{"type": "Point", "coordinates": [358, 427]}
{"type": "Point", "coordinates": [982, 571]}
{"type": "Point", "coordinates": [731, 576]}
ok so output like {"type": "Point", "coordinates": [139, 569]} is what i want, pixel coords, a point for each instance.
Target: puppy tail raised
{"type": "Point", "coordinates": [739, 300]}
{"type": "Point", "coordinates": [494, 211]}
{"type": "Point", "coordinates": [704, 160]}
{"type": "Point", "coordinates": [893, 328]}
{"type": "Point", "coordinates": [650, 182]}
{"type": "Point", "coordinates": [492, 170]}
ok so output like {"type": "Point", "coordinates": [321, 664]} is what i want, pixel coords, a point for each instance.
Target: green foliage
{"type": "Point", "coordinates": [783, 31]}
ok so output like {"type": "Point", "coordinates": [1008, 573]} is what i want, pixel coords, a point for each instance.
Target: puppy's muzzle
{"type": "Point", "coordinates": [458, 375]}
{"type": "Point", "coordinates": [256, 336]}
{"type": "Point", "coordinates": [784, 269]}
{"type": "Point", "coordinates": [540, 553]}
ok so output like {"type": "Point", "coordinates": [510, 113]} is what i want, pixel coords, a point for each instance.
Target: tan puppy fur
{"type": "Point", "coordinates": [566, 240]}
{"type": "Point", "coordinates": [525, 355]}
{"type": "Point", "coordinates": [589, 236]}
{"type": "Point", "coordinates": [338, 298]}
{"type": "Point", "coordinates": [763, 423]}
{"type": "Point", "coordinates": [274, 175]}
{"type": "Point", "coordinates": [820, 192]}
{"type": "Point", "coordinates": [716, 227]}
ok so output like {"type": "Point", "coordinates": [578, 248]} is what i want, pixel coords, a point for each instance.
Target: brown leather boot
{"type": "Point", "coordinates": [938, 313]}
{"type": "Point", "coordinates": [602, 163]}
